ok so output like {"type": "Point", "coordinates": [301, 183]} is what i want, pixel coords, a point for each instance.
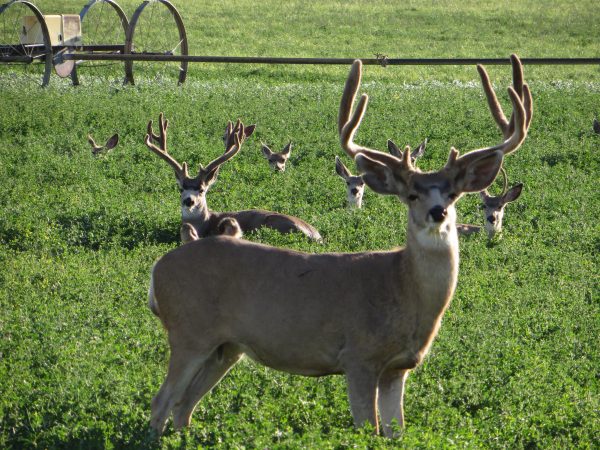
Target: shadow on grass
{"type": "Point", "coordinates": [97, 230]}
{"type": "Point", "coordinates": [90, 438]}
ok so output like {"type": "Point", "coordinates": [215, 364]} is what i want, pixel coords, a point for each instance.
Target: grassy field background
{"type": "Point", "coordinates": [516, 363]}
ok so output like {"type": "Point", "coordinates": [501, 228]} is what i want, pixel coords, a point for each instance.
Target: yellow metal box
{"type": "Point", "coordinates": [64, 29]}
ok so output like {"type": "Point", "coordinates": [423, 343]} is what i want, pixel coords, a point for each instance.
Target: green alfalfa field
{"type": "Point", "coordinates": [516, 363]}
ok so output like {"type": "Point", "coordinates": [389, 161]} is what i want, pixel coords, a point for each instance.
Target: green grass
{"type": "Point", "coordinates": [516, 361]}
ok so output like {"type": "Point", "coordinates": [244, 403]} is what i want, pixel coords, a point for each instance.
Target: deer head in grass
{"type": "Point", "coordinates": [277, 160]}
{"type": "Point", "coordinates": [493, 206]}
{"type": "Point", "coordinates": [194, 209]}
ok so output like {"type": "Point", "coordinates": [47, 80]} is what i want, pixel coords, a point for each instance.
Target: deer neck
{"type": "Point", "coordinates": [432, 261]}
{"type": "Point", "coordinates": [199, 213]}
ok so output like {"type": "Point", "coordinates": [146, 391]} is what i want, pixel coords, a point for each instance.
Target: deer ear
{"type": "Point", "coordinates": [112, 142]}
{"type": "Point", "coordinates": [249, 130]}
{"type": "Point", "coordinates": [378, 176]}
{"type": "Point", "coordinates": [266, 151]}
{"type": "Point", "coordinates": [478, 174]}
{"type": "Point", "coordinates": [91, 141]}
{"type": "Point", "coordinates": [210, 177]}
{"type": "Point", "coordinates": [513, 193]}
{"type": "Point", "coordinates": [287, 149]}
{"type": "Point", "coordinates": [393, 149]}
{"type": "Point", "coordinates": [340, 169]}
{"type": "Point", "coordinates": [418, 152]}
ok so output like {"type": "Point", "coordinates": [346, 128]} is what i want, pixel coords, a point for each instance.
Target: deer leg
{"type": "Point", "coordinates": [215, 368]}
{"type": "Point", "coordinates": [362, 393]}
{"type": "Point", "coordinates": [182, 368]}
{"type": "Point", "coordinates": [390, 398]}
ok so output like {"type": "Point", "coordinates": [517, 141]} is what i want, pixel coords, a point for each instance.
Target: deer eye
{"type": "Point", "coordinates": [452, 195]}
{"type": "Point", "coordinates": [412, 197]}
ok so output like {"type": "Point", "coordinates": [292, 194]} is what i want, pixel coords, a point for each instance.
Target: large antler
{"type": "Point", "coordinates": [349, 122]}
{"type": "Point", "coordinates": [234, 136]}
{"type": "Point", "coordinates": [522, 89]}
{"type": "Point", "coordinates": [515, 130]}
{"type": "Point", "coordinates": [161, 149]}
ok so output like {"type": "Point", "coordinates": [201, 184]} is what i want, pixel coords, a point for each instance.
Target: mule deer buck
{"type": "Point", "coordinates": [109, 145]}
{"type": "Point", "coordinates": [277, 160]}
{"type": "Point", "coordinates": [371, 316]}
{"type": "Point", "coordinates": [355, 186]}
{"type": "Point", "coordinates": [194, 209]}
{"type": "Point", "coordinates": [493, 207]}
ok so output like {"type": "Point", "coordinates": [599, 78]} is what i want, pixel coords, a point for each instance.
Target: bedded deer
{"type": "Point", "coordinates": [493, 206]}
{"type": "Point", "coordinates": [414, 154]}
{"type": "Point", "coordinates": [355, 186]}
{"type": "Point", "coordinates": [371, 316]}
{"type": "Point", "coordinates": [277, 160]}
{"type": "Point", "coordinates": [97, 149]}
{"type": "Point", "coordinates": [194, 209]}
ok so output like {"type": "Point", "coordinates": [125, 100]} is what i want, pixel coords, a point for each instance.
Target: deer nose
{"type": "Point", "coordinates": [188, 202]}
{"type": "Point", "coordinates": [354, 191]}
{"type": "Point", "coordinates": [491, 219]}
{"type": "Point", "coordinates": [438, 213]}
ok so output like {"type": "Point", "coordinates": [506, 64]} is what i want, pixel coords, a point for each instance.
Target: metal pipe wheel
{"type": "Point", "coordinates": [104, 27]}
{"type": "Point", "coordinates": [156, 28]}
{"type": "Point", "coordinates": [25, 41]}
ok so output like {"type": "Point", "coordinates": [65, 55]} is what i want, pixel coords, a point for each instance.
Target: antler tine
{"type": "Point", "coordinates": [150, 132]}
{"type": "Point", "coordinates": [239, 129]}
{"type": "Point", "coordinates": [514, 132]}
{"type": "Point", "coordinates": [349, 94]}
{"type": "Point", "coordinates": [493, 102]}
{"type": "Point", "coordinates": [528, 104]}
{"type": "Point", "coordinates": [161, 151]}
{"type": "Point", "coordinates": [163, 125]}
{"type": "Point", "coordinates": [505, 177]}
{"type": "Point", "coordinates": [348, 121]}
{"type": "Point", "coordinates": [406, 159]}
{"type": "Point", "coordinates": [517, 73]}
{"type": "Point", "coordinates": [522, 90]}
{"type": "Point", "coordinates": [230, 153]}
{"type": "Point", "coordinates": [509, 145]}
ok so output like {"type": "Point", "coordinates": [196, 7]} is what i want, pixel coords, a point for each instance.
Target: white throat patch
{"type": "Point", "coordinates": [439, 235]}
{"type": "Point", "coordinates": [195, 210]}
